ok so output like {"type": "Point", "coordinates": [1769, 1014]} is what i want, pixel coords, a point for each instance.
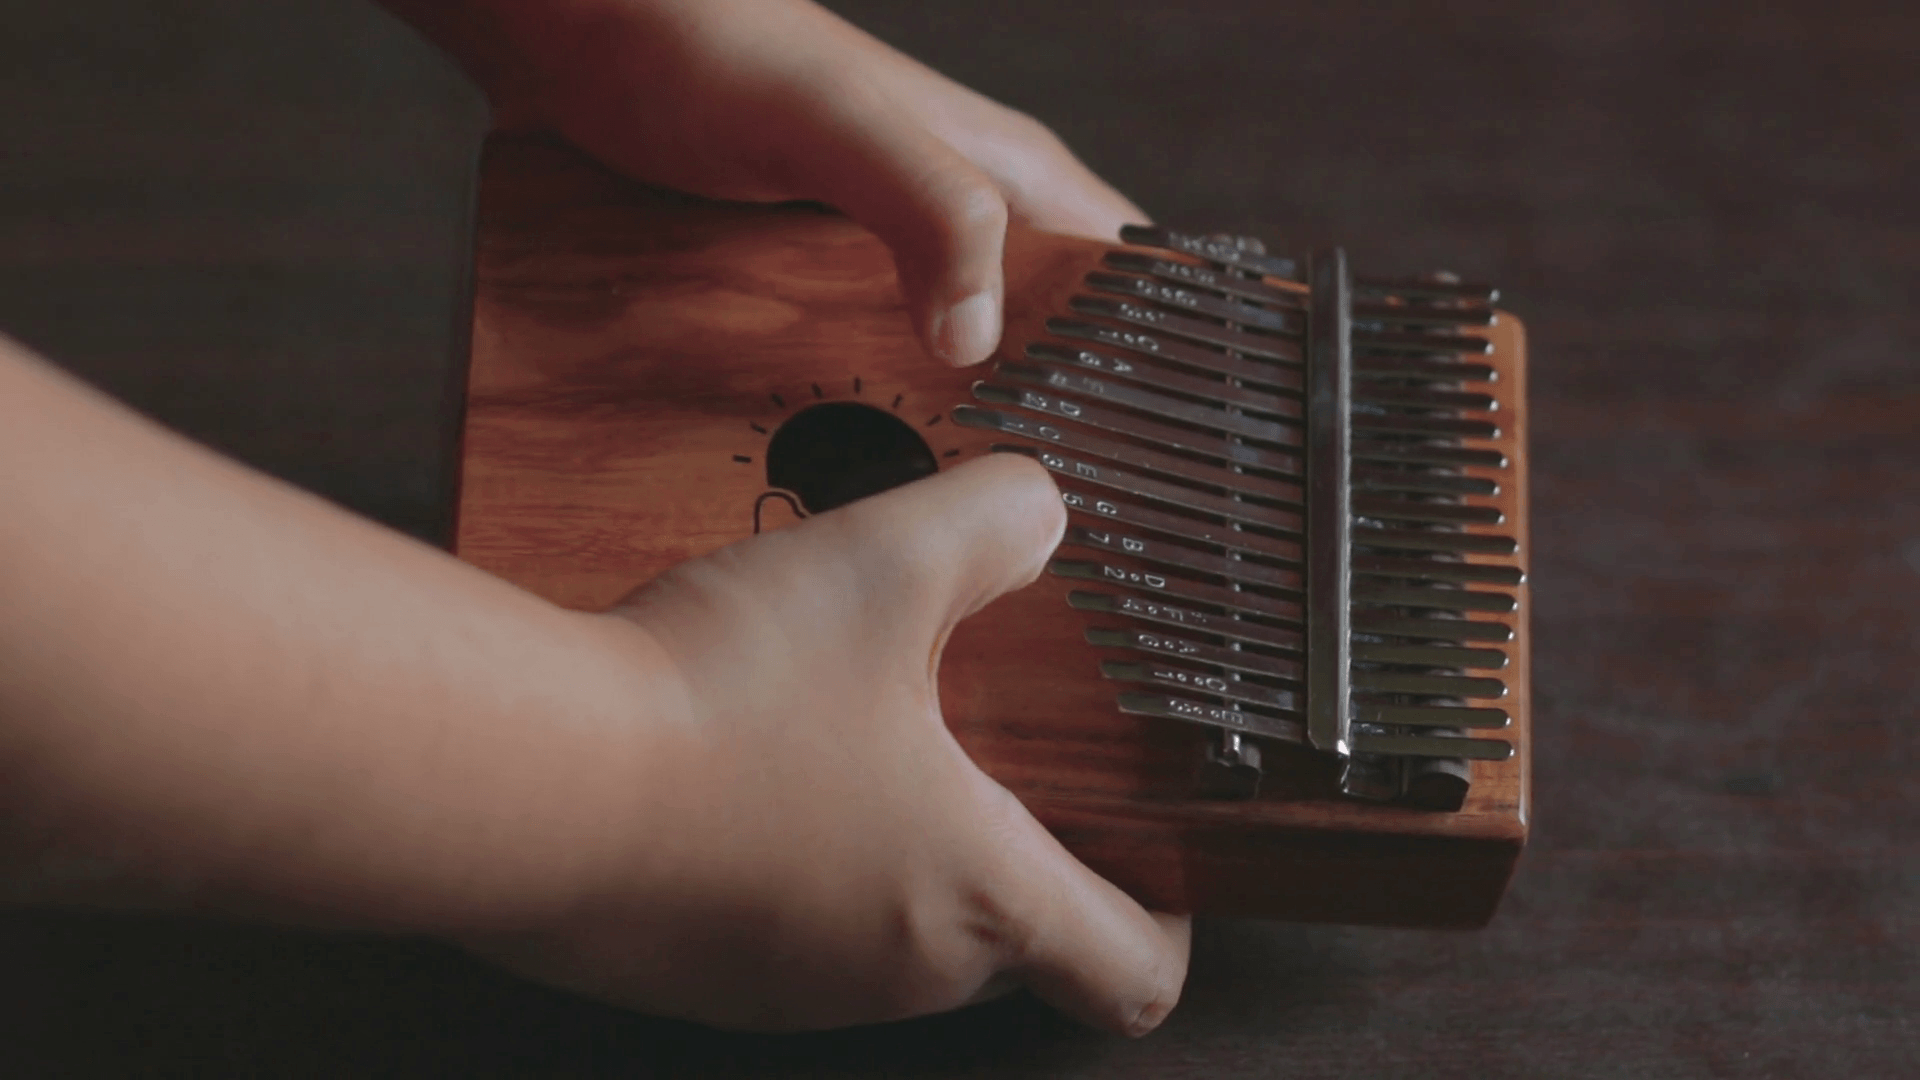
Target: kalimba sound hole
{"type": "Point", "coordinates": [830, 454]}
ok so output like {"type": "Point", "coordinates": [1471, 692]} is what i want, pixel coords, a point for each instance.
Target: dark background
{"type": "Point", "coordinates": [248, 220]}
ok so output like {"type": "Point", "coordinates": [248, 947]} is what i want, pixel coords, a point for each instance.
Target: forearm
{"type": "Point", "coordinates": [217, 692]}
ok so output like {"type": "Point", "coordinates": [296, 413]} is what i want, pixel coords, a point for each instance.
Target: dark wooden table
{"type": "Point", "coordinates": [246, 220]}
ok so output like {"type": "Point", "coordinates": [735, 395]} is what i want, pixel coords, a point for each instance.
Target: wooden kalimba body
{"type": "Point", "coordinates": [1279, 665]}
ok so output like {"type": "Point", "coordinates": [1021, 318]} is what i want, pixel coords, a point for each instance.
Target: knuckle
{"type": "Point", "coordinates": [1028, 129]}
{"type": "Point", "coordinates": [943, 945]}
{"type": "Point", "coordinates": [970, 204]}
{"type": "Point", "coordinates": [992, 926]}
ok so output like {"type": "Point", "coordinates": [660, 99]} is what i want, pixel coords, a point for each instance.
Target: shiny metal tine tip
{"type": "Point", "coordinates": [1241, 253]}
{"type": "Point", "coordinates": [1329, 532]}
{"type": "Point", "coordinates": [1434, 746]}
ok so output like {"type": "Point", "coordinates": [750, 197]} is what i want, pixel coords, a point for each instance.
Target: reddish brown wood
{"type": "Point", "coordinates": [632, 351]}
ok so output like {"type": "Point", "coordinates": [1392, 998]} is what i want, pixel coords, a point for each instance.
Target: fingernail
{"type": "Point", "coordinates": [967, 332]}
{"type": "Point", "coordinates": [1150, 1016]}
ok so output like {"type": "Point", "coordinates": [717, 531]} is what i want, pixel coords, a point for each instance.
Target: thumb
{"type": "Point", "coordinates": [961, 537]}
{"type": "Point", "coordinates": [944, 219]}
{"type": "Point", "coordinates": [966, 536]}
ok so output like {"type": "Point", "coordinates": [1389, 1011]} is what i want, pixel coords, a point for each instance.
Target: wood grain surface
{"type": "Point", "coordinates": [246, 219]}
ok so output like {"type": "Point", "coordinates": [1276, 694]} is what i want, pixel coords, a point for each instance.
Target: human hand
{"type": "Point", "coordinates": [823, 851]}
{"type": "Point", "coordinates": [767, 100]}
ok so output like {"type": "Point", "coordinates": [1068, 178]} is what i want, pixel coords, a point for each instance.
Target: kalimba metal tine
{"type": "Point", "coordinates": [1205, 443]}
{"type": "Point", "coordinates": [1214, 684]}
{"type": "Point", "coordinates": [1426, 368]}
{"type": "Point", "coordinates": [1424, 314]}
{"type": "Point", "coordinates": [1243, 572]}
{"type": "Point", "coordinates": [1421, 482]}
{"type": "Point", "coordinates": [1429, 287]}
{"type": "Point", "coordinates": [1434, 746]}
{"type": "Point", "coordinates": [1431, 628]}
{"type": "Point", "coordinates": [1173, 296]}
{"type": "Point", "coordinates": [1200, 652]}
{"type": "Point", "coordinates": [1421, 344]}
{"type": "Point", "coordinates": [1452, 716]}
{"type": "Point", "coordinates": [1227, 422]}
{"type": "Point", "coordinates": [1241, 253]}
{"type": "Point", "coordinates": [1371, 681]}
{"type": "Point", "coordinates": [1402, 451]}
{"type": "Point", "coordinates": [1168, 349]}
{"type": "Point", "coordinates": [1329, 498]}
{"type": "Point", "coordinates": [1232, 719]}
{"type": "Point", "coordinates": [1229, 283]}
{"type": "Point", "coordinates": [1432, 656]}
{"type": "Point", "coordinates": [1224, 626]}
{"type": "Point", "coordinates": [1434, 569]}
{"type": "Point", "coordinates": [1265, 346]}
{"type": "Point", "coordinates": [1205, 473]}
{"type": "Point", "coordinates": [1223, 394]}
{"type": "Point", "coordinates": [1433, 599]}
{"type": "Point", "coordinates": [1241, 602]}
{"type": "Point", "coordinates": [1421, 397]}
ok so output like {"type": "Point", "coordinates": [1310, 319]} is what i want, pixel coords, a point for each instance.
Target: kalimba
{"type": "Point", "coordinates": [1278, 667]}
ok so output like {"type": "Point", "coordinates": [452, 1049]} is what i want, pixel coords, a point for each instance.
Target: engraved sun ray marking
{"type": "Point", "coordinates": [856, 384]}
{"type": "Point", "coordinates": [757, 427]}
{"type": "Point", "coordinates": [934, 420]}
{"type": "Point", "coordinates": [897, 399]}
{"type": "Point", "coordinates": [955, 452]}
{"type": "Point", "coordinates": [778, 400]}
{"type": "Point", "coordinates": [743, 459]}
{"type": "Point", "coordinates": [817, 392]}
